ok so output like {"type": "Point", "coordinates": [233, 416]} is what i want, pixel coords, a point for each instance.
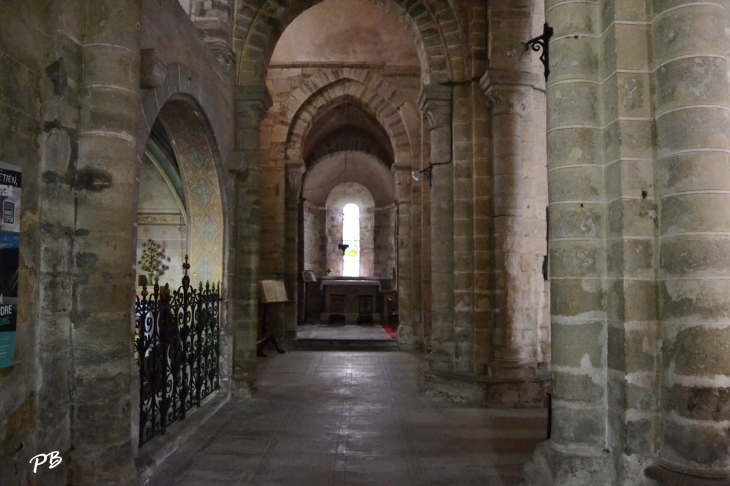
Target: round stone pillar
{"type": "Point", "coordinates": [519, 224]}
{"type": "Point", "coordinates": [105, 215]}
{"type": "Point", "coordinates": [292, 254]}
{"type": "Point", "coordinates": [692, 170]}
{"type": "Point", "coordinates": [576, 453]}
{"type": "Point", "coordinates": [406, 336]}
{"type": "Point", "coordinates": [436, 103]}
{"type": "Point", "coordinates": [252, 103]}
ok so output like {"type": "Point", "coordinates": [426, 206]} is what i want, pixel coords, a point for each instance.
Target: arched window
{"type": "Point", "coordinates": [351, 237]}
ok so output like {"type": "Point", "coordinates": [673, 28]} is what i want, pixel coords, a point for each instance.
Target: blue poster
{"type": "Point", "coordinates": [10, 183]}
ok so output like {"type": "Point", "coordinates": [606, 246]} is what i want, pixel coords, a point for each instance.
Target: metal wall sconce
{"type": "Point", "coordinates": [428, 171]}
{"type": "Point", "coordinates": [542, 42]}
{"type": "Point", "coordinates": [343, 247]}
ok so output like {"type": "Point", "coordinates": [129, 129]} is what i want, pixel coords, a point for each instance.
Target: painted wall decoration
{"type": "Point", "coordinates": [200, 179]}
{"type": "Point", "coordinates": [10, 184]}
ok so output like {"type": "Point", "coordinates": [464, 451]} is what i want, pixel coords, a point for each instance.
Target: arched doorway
{"type": "Point", "coordinates": [180, 267]}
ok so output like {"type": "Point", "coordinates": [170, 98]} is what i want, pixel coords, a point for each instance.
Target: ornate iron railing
{"type": "Point", "coordinates": [178, 351]}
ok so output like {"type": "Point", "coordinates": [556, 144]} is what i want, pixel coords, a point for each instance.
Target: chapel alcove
{"type": "Point", "coordinates": [347, 127]}
{"type": "Point", "coordinates": [161, 214]}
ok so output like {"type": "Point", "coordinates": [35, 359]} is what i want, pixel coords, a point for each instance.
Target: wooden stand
{"type": "Point", "coordinates": [267, 337]}
{"type": "Point", "coordinates": [270, 292]}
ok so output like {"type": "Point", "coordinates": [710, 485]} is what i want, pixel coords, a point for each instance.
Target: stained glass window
{"type": "Point", "coordinates": [351, 237]}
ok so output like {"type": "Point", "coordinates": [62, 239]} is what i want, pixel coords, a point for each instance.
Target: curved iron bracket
{"type": "Point", "coordinates": [428, 172]}
{"type": "Point", "coordinates": [542, 42]}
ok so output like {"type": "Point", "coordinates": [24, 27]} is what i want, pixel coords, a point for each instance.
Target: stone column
{"type": "Point", "coordinates": [576, 453]}
{"type": "Point", "coordinates": [252, 103]}
{"type": "Point", "coordinates": [293, 190]}
{"type": "Point", "coordinates": [406, 338]}
{"type": "Point", "coordinates": [519, 224]}
{"type": "Point", "coordinates": [436, 103]}
{"type": "Point", "coordinates": [693, 195]}
{"type": "Point", "coordinates": [104, 246]}
{"type": "Point", "coordinates": [416, 258]}
{"type": "Point", "coordinates": [464, 263]}
{"type": "Point", "coordinates": [425, 261]}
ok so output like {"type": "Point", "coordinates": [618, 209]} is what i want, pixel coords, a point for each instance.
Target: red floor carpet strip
{"type": "Point", "coordinates": [391, 332]}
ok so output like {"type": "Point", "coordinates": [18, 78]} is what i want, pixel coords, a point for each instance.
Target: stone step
{"type": "Point", "coordinates": [347, 345]}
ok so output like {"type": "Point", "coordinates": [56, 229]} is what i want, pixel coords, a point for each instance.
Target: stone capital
{"type": "Point", "coordinates": [222, 52]}
{"type": "Point", "coordinates": [435, 102]}
{"type": "Point", "coordinates": [507, 91]}
{"type": "Point", "coordinates": [252, 103]}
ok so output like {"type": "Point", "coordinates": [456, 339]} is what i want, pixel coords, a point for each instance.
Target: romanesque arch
{"type": "Point", "coordinates": [194, 120]}
{"type": "Point", "coordinates": [200, 179]}
{"type": "Point", "coordinates": [193, 135]}
{"type": "Point", "coordinates": [321, 93]}
{"type": "Point", "coordinates": [324, 89]}
{"type": "Point", "coordinates": [435, 28]}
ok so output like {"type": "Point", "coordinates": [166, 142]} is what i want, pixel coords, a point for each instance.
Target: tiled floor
{"type": "Point", "coordinates": [331, 418]}
{"type": "Point", "coordinates": [347, 331]}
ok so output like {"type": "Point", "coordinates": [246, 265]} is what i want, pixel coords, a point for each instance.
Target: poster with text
{"type": "Point", "coordinates": [10, 183]}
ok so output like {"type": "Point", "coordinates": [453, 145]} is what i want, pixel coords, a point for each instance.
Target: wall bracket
{"type": "Point", "coordinates": [542, 42]}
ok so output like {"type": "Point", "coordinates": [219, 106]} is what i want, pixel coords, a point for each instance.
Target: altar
{"type": "Point", "coordinates": [347, 297]}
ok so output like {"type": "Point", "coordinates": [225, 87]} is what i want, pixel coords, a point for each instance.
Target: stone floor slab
{"type": "Point", "coordinates": [336, 418]}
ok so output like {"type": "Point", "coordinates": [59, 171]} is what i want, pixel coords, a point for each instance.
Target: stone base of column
{"type": "Point", "coordinates": [669, 477]}
{"type": "Point", "coordinates": [243, 385]}
{"type": "Point", "coordinates": [406, 340]}
{"type": "Point", "coordinates": [243, 390]}
{"type": "Point", "coordinates": [551, 467]}
{"type": "Point", "coordinates": [512, 369]}
{"type": "Point", "coordinates": [486, 391]}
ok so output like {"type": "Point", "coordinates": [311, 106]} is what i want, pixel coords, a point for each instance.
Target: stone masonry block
{"type": "Point", "coordinates": [574, 103]}
{"type": "Point", "coordinates": [687, 31]}
{"type": "Point", "coordinates": [578, 345]}
{"type": "Point", "coordinates": [576, 221]}
{"type": "Point", "coordinates": [695, 299]}
{"type": "Point", "coordinates": [693, 172]}
{"type": "Point", "coordinates": [577, 426]}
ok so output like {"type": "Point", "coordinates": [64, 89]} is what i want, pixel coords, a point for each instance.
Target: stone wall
{"type": "Point", "coordinates": [288, 84]}
{"type": "Point", "coordinates": [34, 403]}
{"type": "Point", "coordinates": [384, 244]}
{"type": "Point", "coordinates": [315, 238]}
{"type": "Point", "coordinates": [76, 121]}
{"type": "Point", "coordinates": [637, 178]}
{"type": "Point", "coordinates": [282, 82]}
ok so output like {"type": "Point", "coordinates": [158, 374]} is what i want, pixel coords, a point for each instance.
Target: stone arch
{"type": "Point", "coordinates": [179, 81]}
{"type": "Point", "coordinates": [434, 26]}
{"type": "Point", "coordinates": [380, 182]}
{"type": "Point", "coordinates": [355, 141]}
{"type": "Point", "coordinates": [202, 185]}
{"type": "Point", "coordinates": [376, 97]}
{"type": "Point", "coordinates": [194, 144]}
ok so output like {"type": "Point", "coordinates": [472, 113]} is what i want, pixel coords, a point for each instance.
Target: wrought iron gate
{"type": "Point", "coordinates": [178, 352]}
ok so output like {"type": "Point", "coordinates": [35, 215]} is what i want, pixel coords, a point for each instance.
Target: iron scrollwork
{"type": "Point", "coordinates": [542, 42]}
{"type": "Point", "coordinates": [428, 172]}
{"type": "Point", "coordinates": [177, 344]}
